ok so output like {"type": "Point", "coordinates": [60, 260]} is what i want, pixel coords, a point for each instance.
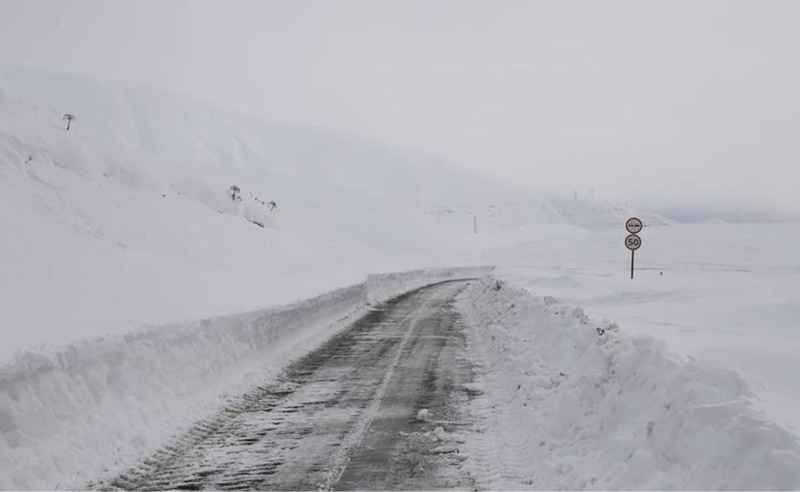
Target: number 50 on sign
{"type": "Point", "coordinates": [633, 242]}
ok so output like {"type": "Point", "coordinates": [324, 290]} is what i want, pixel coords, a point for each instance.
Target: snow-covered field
{"type": "Point", "coordinates": [723, 292]}
{"type": "Point", "coordinates": [120, 234]}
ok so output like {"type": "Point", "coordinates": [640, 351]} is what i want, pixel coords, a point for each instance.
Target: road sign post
{"type": "Point", "coordinates": [633, 242]}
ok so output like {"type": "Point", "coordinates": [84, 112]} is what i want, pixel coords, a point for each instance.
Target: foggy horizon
{"type": "Point", "coordinates": [682, 108]}
{"type": "Point", "coordinates": [399, 245]}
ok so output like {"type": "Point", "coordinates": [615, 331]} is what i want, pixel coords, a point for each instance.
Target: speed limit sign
{"type": "Point", "coordinates": [633, 242]}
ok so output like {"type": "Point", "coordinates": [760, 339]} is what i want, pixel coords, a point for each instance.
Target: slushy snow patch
{"type": "Point", "coordinates": [569, 403]}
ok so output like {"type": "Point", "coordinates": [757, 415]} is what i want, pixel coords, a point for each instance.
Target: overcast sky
{"type": "Point", "coordinates": [674, 105]}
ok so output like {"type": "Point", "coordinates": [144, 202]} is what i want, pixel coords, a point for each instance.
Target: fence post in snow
{"type": "Point", "coordinates": [68, 119]}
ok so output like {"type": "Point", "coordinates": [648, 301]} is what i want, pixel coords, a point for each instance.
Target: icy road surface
{"type": "Point", "coordinates": [371, 409]}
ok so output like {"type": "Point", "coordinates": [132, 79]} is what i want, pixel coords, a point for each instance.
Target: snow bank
{"type": "Point", "coordinates": [94, 406]}
{"type": "Point", "coordinates": [569, 403]}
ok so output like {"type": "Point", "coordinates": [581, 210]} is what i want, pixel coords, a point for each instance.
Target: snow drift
{"type": "Point", "coordinates": [72, 415]}
{"type": "Point", "coordinates": [569, 403]}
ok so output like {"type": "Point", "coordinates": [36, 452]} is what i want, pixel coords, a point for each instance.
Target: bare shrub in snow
{"type": "Point", "coordinates": [236, 193]}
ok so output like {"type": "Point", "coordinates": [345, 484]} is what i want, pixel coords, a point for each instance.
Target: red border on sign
{"type": "Point", "coordinates": [637, 237]}
{"type": "Point", "coordinates": [633, 218]}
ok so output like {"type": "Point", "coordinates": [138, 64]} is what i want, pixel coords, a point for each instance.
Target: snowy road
{"type": "Point", "coordinates": [350, 415]}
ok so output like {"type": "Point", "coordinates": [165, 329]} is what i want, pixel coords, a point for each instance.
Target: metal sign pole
{"type": "Point", "coordinates": [633, 242]}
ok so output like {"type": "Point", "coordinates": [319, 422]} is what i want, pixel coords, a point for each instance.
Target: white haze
{"type": "Point", "coordinates": [689, 107]}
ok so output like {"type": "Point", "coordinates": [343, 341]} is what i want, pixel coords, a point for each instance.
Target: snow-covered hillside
{"type": "Point", "coordinates": [127, 219]}
{"type": "Point", "coordinates": [180, 130]}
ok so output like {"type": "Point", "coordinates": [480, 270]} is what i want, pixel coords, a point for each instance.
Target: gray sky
{"type": "Point", "coordinates": [676, 105]}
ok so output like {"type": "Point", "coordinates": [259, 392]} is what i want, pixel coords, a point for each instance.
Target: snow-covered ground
{"type": "Point", "coordinates": [126, 220]}
{"type": "Point", "coordinates": [724, 292]}
{"type": "Point", "coordinates": [123, 230]}
{"type": "Point", "coordinates": [126, 262]}
{"type": "Point", "coordinates": [570, 403]}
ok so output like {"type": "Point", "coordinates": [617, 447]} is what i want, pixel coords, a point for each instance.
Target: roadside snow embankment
{"type": "Point", "coordinates": [572, 404]}
{"type": "Point", "coordinates": [94, 406]}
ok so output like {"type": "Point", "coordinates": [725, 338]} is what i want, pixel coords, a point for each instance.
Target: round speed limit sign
{"type": "Point", "coordinates": [634, 225]}
{"type": "Point", "coordinates": [633, 242]}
